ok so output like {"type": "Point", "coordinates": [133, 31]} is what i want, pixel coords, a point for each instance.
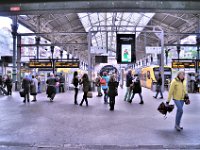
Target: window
{"type": "Point", "coordinates": [148, 75]}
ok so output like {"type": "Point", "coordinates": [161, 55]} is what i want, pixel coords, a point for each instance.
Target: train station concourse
{"type": "Point", "coordinates": [99, 74]}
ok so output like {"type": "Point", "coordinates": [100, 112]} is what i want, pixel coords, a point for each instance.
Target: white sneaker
{"type": "Point", "coordinates": [178, 128]}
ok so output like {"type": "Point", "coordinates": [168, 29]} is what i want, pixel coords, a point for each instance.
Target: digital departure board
{"type": "Point", "coordinates": [36, 64]}
{"type": "Point", "coordinates": [65, 64]}
{"type": "Point", "coordinates": [183, 64]}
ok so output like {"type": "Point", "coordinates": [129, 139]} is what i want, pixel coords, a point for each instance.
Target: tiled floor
{"type": "Point", "coordinates": [63, 125]}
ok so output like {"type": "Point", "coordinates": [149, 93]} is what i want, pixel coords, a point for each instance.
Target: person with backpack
{"type": "Point", "coordinates": [75, 82]}
{"type": "Point", "coordinates": [104, 84]}
{"type": "Point", "coordinates": [159, 87]}
{"type": "Point", "coordinates": [98, 85]}
{"type": "Point", "coordinates": [112, 91]}
{"type": "Point", "coordinates": [136, 89]}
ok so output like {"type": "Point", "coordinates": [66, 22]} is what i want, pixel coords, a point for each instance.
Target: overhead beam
{"type": "Point", "coordinates": [52, 44]}
{"type": "Point", "coordinates": [68, 6]}
{"type": "Point", "coordinates": [50, 33]}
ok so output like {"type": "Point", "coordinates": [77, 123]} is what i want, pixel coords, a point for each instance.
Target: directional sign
{"type": "Point", "coordinates": [183, 64]}
{"type": "Point", "coordinates": [36, 64]}
{"type": "Point", "coordinates": [64, 64]}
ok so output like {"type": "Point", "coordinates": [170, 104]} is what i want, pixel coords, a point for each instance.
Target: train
{"type": "Point", "coordinates": [149, 74]}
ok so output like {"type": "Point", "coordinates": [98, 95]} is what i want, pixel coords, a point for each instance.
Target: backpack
{"type": "Point", "coordinates": [103, 81]}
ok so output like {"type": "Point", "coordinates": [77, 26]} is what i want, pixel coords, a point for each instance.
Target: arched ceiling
{"type": "Point", "coordinates": [171, 23]}
{"type": "Point", "coordinates": [78, 16]}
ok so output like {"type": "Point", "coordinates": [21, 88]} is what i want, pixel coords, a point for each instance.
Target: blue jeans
{"type": "Point", "coordinates": [128, 94]}
{"type": "Point", "coordinates": [105, 95]}
{"type": "Point", "coordinates": [179, 113]}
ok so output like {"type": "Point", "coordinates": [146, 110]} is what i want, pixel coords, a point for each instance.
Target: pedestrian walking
{"type": "Point", "coordinates": [159, 87]}
{"type": "Point", "coordinates": [8, 83]}
{"type": "Point", "coordinates": [112, 91]}
{"type": "Point", "coordinates": [26, 87]}
{"type": "Point", "coordinates": [34, 88]}
{"type": "Point", "coordinates": [129, 82]}
{"type": "Point", "coordinates": [104, 85]}
{"type": "Point", "coordinates": [75, 82]}
{"type": "Point", "coordinates": [62, 83]}
{"type": "Point", "coordinates": [51, 87]}
{"type": "Point", "coordinates": [98, 85]}
{"type": "Point", "coordinates": [86, 87]}
{"type": "Point", "coordinates": [137, 89]}
{"type": "Point", "coordinates": [178, 93]}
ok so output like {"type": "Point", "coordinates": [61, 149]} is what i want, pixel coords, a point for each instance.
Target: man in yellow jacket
{"type": "Point", "coordinates": [178, 92]}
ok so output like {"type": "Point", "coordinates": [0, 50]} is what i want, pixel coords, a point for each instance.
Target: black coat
{"type": "Point", "coordinates": [75, 82]}
{"type": "Point", "coordinates": [8, 83]}
{"type": "Point", "coordinates": [26, 85]}
{"type": "Point", "coordinates": [159, 81]}
{"type": "Point", "coordinates": [112, 88]}
{"type": "Point", "coordinates": [86, 85]}
{"type": "Point", "coordinates": [137, 86]}
{"type": "Point", "coordinates": [128, 80]}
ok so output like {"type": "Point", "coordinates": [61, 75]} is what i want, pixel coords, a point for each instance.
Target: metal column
{"type": "Point", "coordinates": [89, 56]}
{"type": "Point", "coordinates": [37, 38]}
{"type": "Point", "coordinates": [198, 38]}
{"type": "Point", "coordinates": [18, 62]}
{"type": "Point", "coordinates": [162, 59]}
{"type": "Point", "coordinates": [14, 34]}
{"type": "Point", "coordinates": [107, 42]}
{"type": "Point", "coordinates": [52, 59]}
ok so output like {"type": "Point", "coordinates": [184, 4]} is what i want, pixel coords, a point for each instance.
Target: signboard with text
{"type": "Point", "coordinates": [37, 64]}
{"type": "Point", "coordinates": [66, 64]}
{"type": "Point", "coordinates": [183, 63]}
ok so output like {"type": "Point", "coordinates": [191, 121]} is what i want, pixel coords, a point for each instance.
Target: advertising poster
{"type": "Point", "coordinates": [126, 52]}
{"type": "Point", "coordinates": [125, 49]}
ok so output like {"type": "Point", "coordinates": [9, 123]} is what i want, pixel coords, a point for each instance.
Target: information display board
{"type": "Point", "coordinates": [65, 64]}
{"type": "Point", "coordinates": [183, 64]}
{"type": "Point", "coordinates": [37, 64]}
{"type": "Point", "coordinates": [125, 48]}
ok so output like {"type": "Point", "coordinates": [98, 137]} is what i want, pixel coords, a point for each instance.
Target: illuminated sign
{"type": "Point", "coordinates": [64, 64]}
{"type": "Point", "coordinates": [15, 8]}
{"type": "Point", "coordinates": [183, 64]}
{"type": "Point", "coordinates": [36, 64]}
{"type": "Point", "coordinates": [125, 48]}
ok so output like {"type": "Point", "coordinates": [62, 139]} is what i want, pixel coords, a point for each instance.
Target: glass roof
{"type": "Point", "coordinates": [124, 22]}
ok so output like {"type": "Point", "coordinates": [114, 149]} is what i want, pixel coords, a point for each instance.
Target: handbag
{"type": "Point", "coordinates": [163, 108]}
{"type": "Point", "coordinates": [89, 95]}
{"type": "Point", "coordinates": [187, 99]}
{"type": "Point", "coordinates": [22, 93]}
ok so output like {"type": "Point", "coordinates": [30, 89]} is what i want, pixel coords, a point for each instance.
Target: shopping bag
{"type": "Point", "coordinates": [89, 95]}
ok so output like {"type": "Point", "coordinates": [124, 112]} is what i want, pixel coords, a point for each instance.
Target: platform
{"type": "Point", "coordinates": [61, 125]}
